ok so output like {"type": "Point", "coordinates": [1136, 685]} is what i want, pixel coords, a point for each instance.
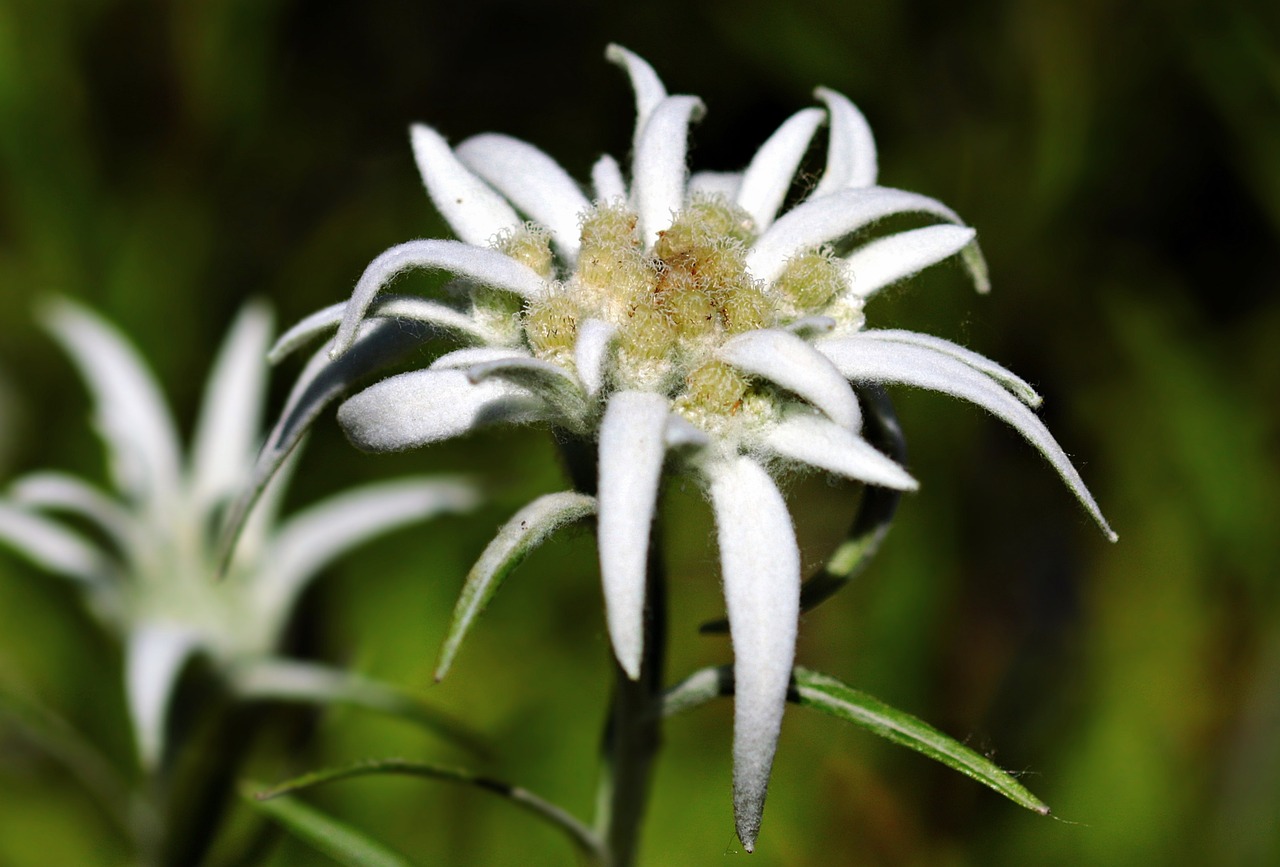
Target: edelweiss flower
{"type": "Point", "coordinates": [152, 575]}
{"type": "Point", "coordinates": [677, 319]}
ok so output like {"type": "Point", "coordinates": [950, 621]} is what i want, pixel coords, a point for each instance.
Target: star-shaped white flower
{"type": "Point", "coordinates": [678, 321]}
{"type": "Point", "coordinates": [151, 569]}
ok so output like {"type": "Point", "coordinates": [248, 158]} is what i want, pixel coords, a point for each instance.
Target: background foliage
{"type": "Point", "coordinates": [163, 162]}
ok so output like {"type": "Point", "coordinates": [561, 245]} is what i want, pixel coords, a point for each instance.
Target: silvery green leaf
{"type": "Point", "coordinates": [53, 547]}
{"type": "Point", "coordinates": [154, 659]}
{"type": "Point", "coordinates": [526, 530]}
{"type": "Point", "coordinates": [832, 697]}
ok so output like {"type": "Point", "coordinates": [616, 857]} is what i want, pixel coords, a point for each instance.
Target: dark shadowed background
{"type": "Point", "coordinates": [164, 162]}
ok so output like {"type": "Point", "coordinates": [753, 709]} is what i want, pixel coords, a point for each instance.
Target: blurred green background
{"type": "Point", "coordinates": [164, 161]}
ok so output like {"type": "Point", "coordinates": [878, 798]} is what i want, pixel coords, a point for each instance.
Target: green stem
{"type": "Point", "coordinates": [633, 730]}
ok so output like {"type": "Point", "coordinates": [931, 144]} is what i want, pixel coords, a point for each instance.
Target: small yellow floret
{"type": "Point", "coordinates": [713, 393]}
{"type": "Point", "coordinates": [810, 281]}
{"type": "Point", "coordinates": [551, 327]}
{"type": "Point", "coordinates": [530, 245]}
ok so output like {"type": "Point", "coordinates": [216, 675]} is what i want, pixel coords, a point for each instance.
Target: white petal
{"type": "Point", "coordinates": [885, 261]}
{"type": "Point", "coordinates": [606, 177]}
{"type": "Point", "coordinates": [472, 355]}
{"type": "Point", "coordinates": [532, 181]}
{"type": "Point", "coordinates": [816, 441]}
{"type": "Point", "coordinates": [480, 264]}
{"type": "Point", "coordinates": [648, 87]}
{"type": "Point", "coordinates": [427, 406]}
{"type": "Point", "coordinates": [811, 326]}
{"type": "Point", "coordinates": [311, 539]}
{"type": "Point", "coordinates": [53, 547]}
{"type": "Point", "coordinates": [716, 184]}
{"type": "Point", "coordinates": [773, 168]}
{"type": "Point", "coordinates": [409, 307]}
{"type": "Point", "coordinates": [785, 359]}
{"type": "Point", "coordinates": [818, 221]}
{"type": "Point", "coordinates": [851, 151]}
{"type": "Point", "coordinates": [761, 568]}
{"type": "Point", "coordinates": [658, 172]}
{"type": "Point", "coordinates": [632, 448]}
{"type": "Point", "coordinates": [1010, 380]}
{"type": "Point", "coordinates": [228, 430]}
{"type": "Point", "coordinates": [131, 414]}
{"type": "Point", "coordinates": [476, 213]}
{"type": "Point", "coordinates": [591, 353]}
{"type": "Point", "coordinates": [153, 661]}
{"type": "Point", "coordinates": [874, 360]}
{"type": "Point", "coordinates": [52, 491]}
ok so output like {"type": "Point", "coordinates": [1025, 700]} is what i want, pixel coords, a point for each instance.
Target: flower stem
{"type": "Point", "coordinates": [633, 729]}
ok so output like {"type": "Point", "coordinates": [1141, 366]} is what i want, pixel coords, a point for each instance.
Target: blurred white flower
{"type": "Point", "coordinates": [148, 566]}
{"type": "Point", "coordinates": [680, 322]}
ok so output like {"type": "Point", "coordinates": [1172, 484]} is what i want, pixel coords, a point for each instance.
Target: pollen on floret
{"type": "Point", "coordinates": [551, 327]}
{"type": "Point", "coordinates": [530, 245]}
{"type": "Point", "coordinates": [810, 281]}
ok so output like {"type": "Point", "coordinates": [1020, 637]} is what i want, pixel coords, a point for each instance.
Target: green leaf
{"type": "Point", "coordinates": [875, 511]}
{"type": "Point", "coordinates": [336, 839]}
{"type": "Point", "coordinates": [528, 529]}
{"type": "Point", "coordinates": [830, 696]}
{"type": "Point", "coordinates": [818, 691]}
{"type": "Point", "coordinates": [287, 680]}
{"type": "Point", "coordinates": [580, 834]}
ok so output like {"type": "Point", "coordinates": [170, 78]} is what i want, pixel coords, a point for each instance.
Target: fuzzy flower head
{"type": "Point", "coordinates": [149, 566]}
{"type": "Point", "coordinates": [677, 321]}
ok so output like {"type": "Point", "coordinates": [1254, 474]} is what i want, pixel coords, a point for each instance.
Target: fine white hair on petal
{"type": "Point", "coordinates": [818, 221]}
{"type": "Point", "coordinates": [132, 417]}
{"type": "Point", "coordinates": [767, 180]}
{"type": "Point", "coordinates": [787, 360]}
{"type": "Point", "coordinates": [658, 171]}
{"type": "Point", "coordinates": [154, 659]}
{"type": "Point", "coordinates": [868, 359]}
{"type": "Point", "coordinates": [228, 428]}
{"type": "Point", "coordinates": [427, 406]}
{"type": "Point", "coordinates": [814, 440]}
{"type": "Point", "coordinates": [606, 178]}
{"type": "Point", "coordinates": [1010, 380]}
{"type": "Point", "coordinates": [885, 261]}
{"type": "Point", "coordinates": [724, 184]}
{"type": "Point", "coordinates": [473, 210]}
{"type": "Point", "coordinates": [469, 356]}
{"type": "Point", "coordinates": [648, 87]}
{"type": "Point", "coordinates": [761, 568]}
{"type": "Point", "coordinates": [409, 307]}
{"type": "Point", "coordinates": [851, 151]}
{"type": "Point", "coordinates": [480, 264]}
{"type": "Point", "coordinates": [532, 181]}
{"type": "Point", "coordinates": [682, 434]}
{"type": "Point", "coordinates": [591, 353]}
{"type": "Point", "coordinates": [632, 449]}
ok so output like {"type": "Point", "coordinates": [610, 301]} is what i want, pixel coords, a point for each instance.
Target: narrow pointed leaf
{"type": "Point", "coordinates": [1010, 380]}
{"type": "Point", "coordinates": [851, 150]}
{"type": "Point", "coordinates": [789, 361]}
{"type": "Point", "coordinates": [648, 87]}
{"type": "Point", "coordinates": [552, 383]}
{"type": "Point", "coordinates": [53, 547]}
{"type": "Point", "coordinates": [581, 835]}
{"type": "Point", "coordinates": [528, 529]}
{"type": "Point", "coordinates": [887, 260]}
{"type": "Point", "coordinates": [154, 660]}
{"type": "Point", "coordinates": [812, 439]}
{"type": "Point", "coordinates": [336, 839]}
{"type": "Point", "coordinates": [843, 702]}
{"type": "Point", "coordinates": [591, 353]}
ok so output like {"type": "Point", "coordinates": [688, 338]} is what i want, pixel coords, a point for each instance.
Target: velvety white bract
{"type": "Point", "coordinates": [682, 321]}
{"type": "Point", "coordinates": [152, 575]}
